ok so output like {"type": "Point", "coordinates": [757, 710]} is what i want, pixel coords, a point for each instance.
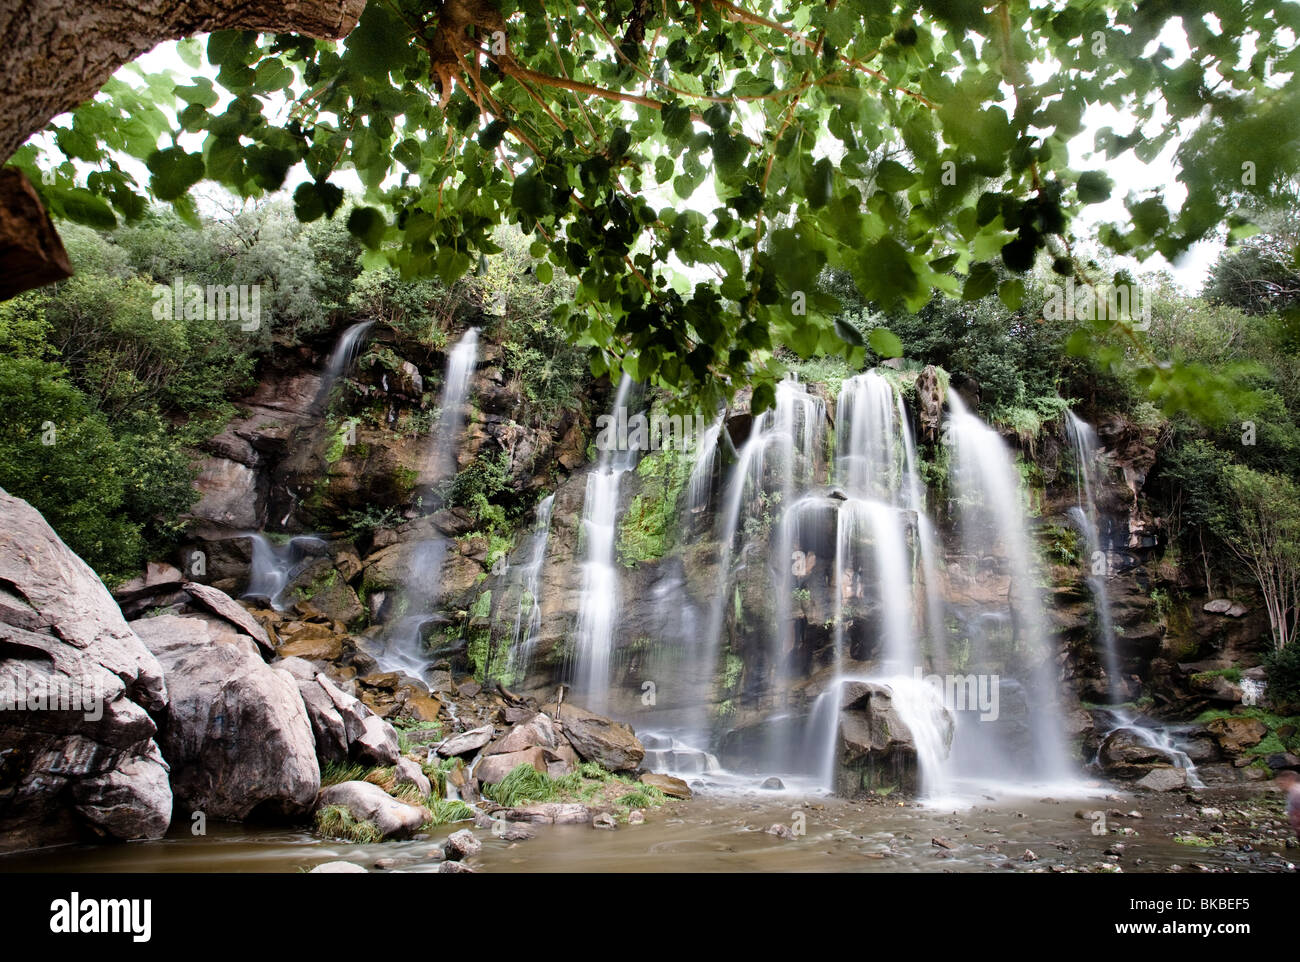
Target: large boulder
{"type": "Point", "coordinates": [371, 803]}
{"type": "Point", "coordinates": [466, 742]}
{"type": "Point", "coordinates": [237, 735]}
{"type": "Point", "coordinates": [492, 768]}
{"type": "Point", "coordinates": [344, 727]}
{"type": "Point", "coordinates": [1164, 779]}
{"type": "Point", "coordinates": [874, 746]}
{"type": "Point", "coordinates": [1125, 753]}
{"type": "Point", "coordinates": [535, 732]}
{"type": "Point", "coordinates": [1236, 733]}
{"type": "Point", "coordinates": [598, 739]}
{"type": "Point", "coordinates": [670, 786]}
{"type": "Point", "coordinates": [78, 755]}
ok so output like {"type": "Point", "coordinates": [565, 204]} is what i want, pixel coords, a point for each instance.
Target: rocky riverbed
{"type": "Point", "coordinates": [1215, 830]}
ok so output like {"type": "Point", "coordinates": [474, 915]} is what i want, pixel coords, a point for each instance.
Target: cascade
{"type": "Point", "coordinates": [276, 564]}
{"type": "Point", "coordinates": [342, 357]}
{"type": "Point", "coordinates": [784, 446]}
{"type": "Point", "coordinates": [526, 577]}
{"type": "Point", "coordinates": [699, 488]}
{"type": "Point", "coordinates": [595, 631]}
{"type": "Point", "coordinates": [404, 639]}
{"type": "Point", "coordinates": [1097, 563]}
{"type": "Point", "coordinates": [991, 516]}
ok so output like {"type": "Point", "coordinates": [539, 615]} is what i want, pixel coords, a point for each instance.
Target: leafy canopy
{"type": "Point", "coordinates": [696, 166]}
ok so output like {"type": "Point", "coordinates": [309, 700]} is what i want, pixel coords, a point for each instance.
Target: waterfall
{"type": "Point", "coordinates": [992, 518]}
{"type": "Point", "coordinates": [595, 631]}
{"type": "Point", "coordinates": [1097, 563]}
{"type": "Point", "coordinates": [699, 488]}
{"type": "Point", "coordinates": [451, 407]}
{"type": "Point", "coordinates": [528, 613]}
{"type": "Point", "coordinates": [275, 565]}
{"type": "Point", "coordinates": [866, 438]}
{"type": "Point", "coordinates": [404, 640]}
{"type": "Point", "coordinates": [342, 357]}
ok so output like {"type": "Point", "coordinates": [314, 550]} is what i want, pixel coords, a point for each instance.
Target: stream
{"type": "Point", "coordinates": [728, 833]}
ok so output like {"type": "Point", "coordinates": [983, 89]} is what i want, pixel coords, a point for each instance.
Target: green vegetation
{"type": "Point", "coordinates": [936, 182]}
{"type": "Point", "coordinates": [590, 784]}
{"type": "Point", "coordinates": [444, 811]}
{"type": "Point", "coordinates": [651, 522]}
{"type": "Point", "coordinates": [337, 821]}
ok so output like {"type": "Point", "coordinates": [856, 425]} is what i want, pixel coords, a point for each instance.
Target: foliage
{"type": "Point", "coordinates": [522, 784]}
{"type": "Point", "coordinates": [1265, 537]}
{"type": "Point", "coordinates": [916, 147]}
{"type": "Point", "coordinates": [337, 821]}
{"type": "Point", "coordinates": [651, 521]}
{"type": "Point", "coordinates": [1283, 671]}
{"type": "Point", "coordinates": [443, 811]}
{"type": "Point", "coordinates": [483, 479]}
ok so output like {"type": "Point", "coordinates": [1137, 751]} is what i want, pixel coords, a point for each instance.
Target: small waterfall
{"type": "Point", "coordinates": [341, 359]}
{"type": "Point", "coordinates": [1085, 514]}
{"type": "Point", "coordinates": [866, 438]}
{"type": "Point", "coordinates": [699, 488]}
{"type": "Point", "coordinates": [451, 408]}
{"type": "Point", "coordinates": [528, 614]}
{"type": "Point", "coordinates": [1097, 562]}
{"type": "Point", "coordinates": [404, 639]}
{"type": "Point", "coordinates": [992, 518]}
{"type": "Point", "coordinates": [598, 605]}
{"type": "Point", "coordinates": [276, 564]}
{"type": "Point", "coordinates": [927, 542]}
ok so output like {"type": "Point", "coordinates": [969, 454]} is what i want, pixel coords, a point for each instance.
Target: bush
{"type": "Point", "coordinates": [1283, 668]}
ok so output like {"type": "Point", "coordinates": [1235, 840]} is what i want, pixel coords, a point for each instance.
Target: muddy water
{"type": "Point", "coordinates": [728, 834]}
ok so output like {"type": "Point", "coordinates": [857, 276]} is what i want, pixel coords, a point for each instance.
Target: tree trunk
{"type": "Point", "coordinates": [57, 54]}
{"type": "Point", "coordinates": [31, 254]}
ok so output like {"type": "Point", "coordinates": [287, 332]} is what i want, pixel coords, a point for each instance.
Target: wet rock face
{"type": "Point", "coordinates": [874, 747]}
{"type": "Point", "coordinates": [1125, 754]}
{"type": "Point", "coordinates": [78, 755]}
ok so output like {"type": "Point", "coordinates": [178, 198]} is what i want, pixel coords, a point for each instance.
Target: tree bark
{"type": "Point", "coordinates": [31, 253]}
{"type": "Point", "coordinates": [57, 54]}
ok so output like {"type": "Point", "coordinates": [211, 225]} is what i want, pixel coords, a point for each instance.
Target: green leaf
{"type": "Point", "coordinates": [848, 333]}
{"type": "Point", "coordinates": [893, 176]}
{"type": "Point", "coordinates": [820, 182]}
{"type": "Point", "coordinates": [981, 280]}
{"type": "Point", "coordinates": [367, 225]}
{"type": "Point", "coordinates": [1012, 293]}
{"type": "Point", "coordinates": [1094, 187]}
{"type": "Point", "coordinates": [884, 342]}
{"type": "Point", "coordinates": [174, 172]}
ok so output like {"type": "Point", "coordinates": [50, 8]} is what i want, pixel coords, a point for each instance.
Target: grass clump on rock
{"type": "Point", "coordinates": [337, 821]}
{"type": "Point", "coordinates": [444, 811]}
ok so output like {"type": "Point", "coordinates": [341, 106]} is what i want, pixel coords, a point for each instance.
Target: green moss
{"type": "Point", "coordinates": [650, 523]}
{"type": "Point", "coordinates": [339, 440]}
